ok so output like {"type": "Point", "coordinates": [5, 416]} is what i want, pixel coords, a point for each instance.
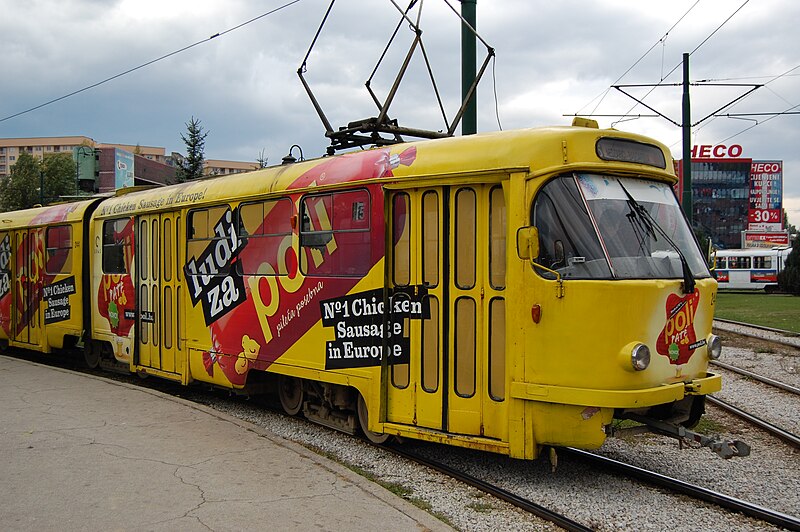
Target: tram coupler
{"type": "Point", "coordinates": [724, 448]}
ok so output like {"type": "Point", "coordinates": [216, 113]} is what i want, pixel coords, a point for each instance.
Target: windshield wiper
{"type": "Point", "coordinates": [651, 225]}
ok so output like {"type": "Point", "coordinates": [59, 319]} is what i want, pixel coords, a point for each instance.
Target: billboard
{"type": "Point", "coordinates": [123, 168]}
{"type": "Point", "coordinates": [766, 196]}
{"type": "Point", "coordinates": [763, 239]}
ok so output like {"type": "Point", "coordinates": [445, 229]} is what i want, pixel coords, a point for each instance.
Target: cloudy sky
{"type": "Point", "coordinates": [552, 59]}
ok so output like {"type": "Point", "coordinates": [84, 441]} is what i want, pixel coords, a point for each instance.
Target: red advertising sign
{"type": "Point", "coordinates": [765, 239]}
{"type": "Point", "coordinates": [766, 195]}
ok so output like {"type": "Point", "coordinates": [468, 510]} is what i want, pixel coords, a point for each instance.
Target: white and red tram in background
{"type": "Point", "coordinates": [750, 269]}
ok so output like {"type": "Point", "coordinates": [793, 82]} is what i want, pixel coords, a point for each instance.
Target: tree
{"type": "Point", "coordinates": [59, 176]}
{"type": "Point", "coordinates": [262, 160]}
{"type": "Point", "coordinates": [789, 278]}
{"type": "Point", "coordinates": [20, 190]}
{"type": "Point", "coordinates": [191, 167]}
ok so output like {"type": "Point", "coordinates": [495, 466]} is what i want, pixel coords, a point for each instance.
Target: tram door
{"type": "Point", "coordinates": [28, 297]}
{"type": "Point", "coordinates": [156, 272]}
{"type": "Point", "coordinates": [449, 243]}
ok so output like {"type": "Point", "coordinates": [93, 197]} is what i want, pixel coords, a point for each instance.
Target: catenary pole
{"type": "Point", "coordinates": [469, 124]}
{"type": "Point", "coordinates": [687, 143]}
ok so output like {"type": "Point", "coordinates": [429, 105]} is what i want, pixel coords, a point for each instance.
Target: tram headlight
{"type": "Point", "coordinates": [714, 346]}
{"type": "Point", "coordinates": [640, 357]}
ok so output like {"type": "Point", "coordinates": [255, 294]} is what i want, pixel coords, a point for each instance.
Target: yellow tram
{"type": "Point", "coordinates": [502, 291]}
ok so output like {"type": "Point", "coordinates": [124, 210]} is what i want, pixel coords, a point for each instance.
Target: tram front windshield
{"type": "Point", "coordinates": [602, 227]}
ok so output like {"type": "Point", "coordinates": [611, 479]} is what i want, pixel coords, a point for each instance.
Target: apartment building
{"type": "Point", "coordinates": [10, 149]}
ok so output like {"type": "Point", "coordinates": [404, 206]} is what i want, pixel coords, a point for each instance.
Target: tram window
{"type": "Point", "coordinates": [59, 249]}
{"type": "Point", "coordinates": [335, 234]}
{"type": "Point", "coordinates": [430, 238]}
{"type": "Point", "coordinates": [566, 235]}
{"type": "Point", "coordinates": [465, 347]}
{"type": "Point", "coordinates": [5, 263]}
{"type": "Point", "coordinates": [401, 239]}
{"type": "Point", "coordinates": [268, 227]}
{"type": "Point", "coordinates": [178, 314]}
{"type": "Point", "coordinates": [201, 231]}
{"type": "Point", "coordinates": [430, 347]}
{"type": "Point", "coordinates": [117, 235]}
{"type": "Point", "coordinates": [739, 263]}
{"type": "Point", "coordinates": [178, 247]}
{"type": "Point", "coordinates": [156, 314]}
{"type": "Point", "coordinates": [722, 263]}
{"type": "Point", "coordinates": [401, 373]}
{"type": "Point", "coordinates": [154, 250]}
{"type": "Point", "coordinates": [168, 262]}
{"type": "Point", "coordinates": [168, 317]}
{"type": "Point", "coordinates": [762, 263]}
{"type": "Point", "coordinates": [465, 238]}
{"type": "Point", "coordinates": [497, 238]}
{"type": "Point", "coordinates": [143, 250]}
{"type": "Point", "coordinates": [143, 304]}
{"type": "Point", "coordinates": [497, 349]}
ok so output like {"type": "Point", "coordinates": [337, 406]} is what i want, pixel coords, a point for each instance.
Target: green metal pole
{"type": "Point", "coordinates": [687, 143]}
{"type": "Point", "coordinates": [469, 123]}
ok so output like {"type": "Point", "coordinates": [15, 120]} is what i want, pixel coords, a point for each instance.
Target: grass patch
{"type": "Point", "coordinates": [707, 425]}
{"type": "Point", "coordinates": [481, 507]}
{"type": "Point", "coordinates": [770, 310]}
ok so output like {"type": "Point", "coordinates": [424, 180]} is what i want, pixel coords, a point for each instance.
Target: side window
{"type": "Point", "coordinates": [268, 227]}
{"type": "Point", "coordinates": [739, 263]}
{"type": "Point", "coordinates": [497, 238]}
{"type": "Point", "coordinates": [465, 237]}
{"type": "Point", "coordinates": [59, 249]}
{"type": "Point", "coordinates": [762, 263]}
{"type": "Point", "coordinates": [566, 234]}
{"type": "Point", "coordinates": [201, 234]}
{"type": "Point", "coordinates": [5, 264]}
{"type": "Point", "coordinates": [335, 235]}
{"type": "Point", "coordinates": [401, 239]}
{"type": "Point", "coordinates": [117, 240]}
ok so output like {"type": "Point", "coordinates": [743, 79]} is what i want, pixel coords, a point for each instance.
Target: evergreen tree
{"type": "Point", "coordinates": [789, 278]}
{"type": "Point", "coordinates": [191, 167]}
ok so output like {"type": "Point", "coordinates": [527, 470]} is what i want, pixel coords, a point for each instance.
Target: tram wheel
{"type": "Point", "coordinates": [290, 392]}
{"type": "Point", "coordinates": [363, 419]}
{"type": "Point", "coordinates": [91, 355]}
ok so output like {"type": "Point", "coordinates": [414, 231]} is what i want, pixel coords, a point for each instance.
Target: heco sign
{"type": "Point", "coordinates": [720, 151]}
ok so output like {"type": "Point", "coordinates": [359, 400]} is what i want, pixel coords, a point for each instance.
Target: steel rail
{"type": "Point", "coordinates": [755, 376]}
{"type": "Point", "coordinates": [784, 332]}
{"type": "Point", "coordinates": [725, 501]}
{"type": "Point", "coordinates": [524, 504]}
{"type": "Point", "coordinates": [775, 430]}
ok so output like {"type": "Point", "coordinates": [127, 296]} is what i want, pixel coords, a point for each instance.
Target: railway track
{"type": "Point", "coordinates": [618, 468]}
{"type": "Point", "coordinates": [775, 430]}
{"type": "Point", "coordinates": [785, 435]}
{"type": "Point", "coordinates": [697, 492]}
{"type": "Point", "coordinates": [759, 332]}
{"type": "Point", "coordinates": [496, 491]}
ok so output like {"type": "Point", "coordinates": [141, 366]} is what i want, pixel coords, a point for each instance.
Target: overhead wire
{"type": "Point", "coordinates": [764, 85]}
{"type": "Point", "coordinates": [659, 84]}
{"type": "Point", "coordinates": [661, 40]}
{"type": "Point", "coordinates": [148, 63]}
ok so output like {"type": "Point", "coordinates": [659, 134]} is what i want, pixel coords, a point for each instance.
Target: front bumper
{"type": "Point", "coordinates": [616, 398]}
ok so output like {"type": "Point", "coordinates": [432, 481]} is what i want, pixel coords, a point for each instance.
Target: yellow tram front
{"type": "Point", "coordinates": [616, 299]}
